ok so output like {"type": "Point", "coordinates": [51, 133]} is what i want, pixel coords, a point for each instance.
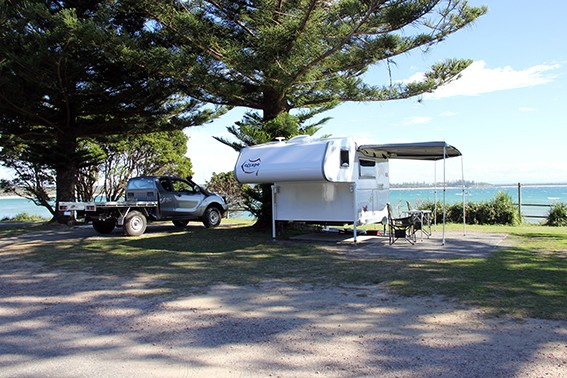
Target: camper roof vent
{"type": "Point", "coordinates": [280, 139]}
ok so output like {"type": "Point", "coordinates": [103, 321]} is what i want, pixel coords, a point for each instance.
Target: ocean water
{"type": "Point", "coordinates": [545, 195]}
{"type": "Point", "coordinates": [530, 195]}
{"type": "Point", "coordinates": [10, 207]}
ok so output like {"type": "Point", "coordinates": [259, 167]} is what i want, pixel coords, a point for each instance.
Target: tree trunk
{"type": "Point", "coordinates": [66, 171]}
{"type": "Point", "coordinates": [264, 220]}
{"type": "Point", "coordinates": [274, 105]}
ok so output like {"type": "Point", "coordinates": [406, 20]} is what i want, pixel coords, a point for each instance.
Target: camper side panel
{"type": "Point", "coordinates": [323, 202]}
{"type": "Point", "coordinates": [280, 161]}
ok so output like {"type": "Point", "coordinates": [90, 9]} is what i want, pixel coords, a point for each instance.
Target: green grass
{"type": "Point", "coordinates": [19, 229]}
{"type": "Point", "coordinates": [528, 279]}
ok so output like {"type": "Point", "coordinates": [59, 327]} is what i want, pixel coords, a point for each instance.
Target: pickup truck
{"type": "Point", "coordinates": [152, 198]}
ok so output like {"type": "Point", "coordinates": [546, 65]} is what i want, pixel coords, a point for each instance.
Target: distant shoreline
{"type": "Point", "coordinates": [453, 186]}
{"type": "Point", "coordinates": [10, 196]}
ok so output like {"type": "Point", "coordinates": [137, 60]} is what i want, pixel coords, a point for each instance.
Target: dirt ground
{"type": "Point", "coordinates": [69, 324]}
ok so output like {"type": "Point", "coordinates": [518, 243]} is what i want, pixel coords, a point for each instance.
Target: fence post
{"type": "Point", "coordinates": [520, 201]}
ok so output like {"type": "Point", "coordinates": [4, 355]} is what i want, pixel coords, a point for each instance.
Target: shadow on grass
{"type": "Point", "coordinates": [519, 282]}
{"type": "Point", "coordinates": [196, 258]}
{"type": "Point", "coordinates": [140, 290]}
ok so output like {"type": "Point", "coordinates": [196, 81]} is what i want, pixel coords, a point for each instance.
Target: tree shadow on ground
{"type": "Point", "coordinates": [232, 301]}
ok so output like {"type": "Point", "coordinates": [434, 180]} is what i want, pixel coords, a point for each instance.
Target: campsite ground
{"type": "Point", "coordinates": [67, 310]}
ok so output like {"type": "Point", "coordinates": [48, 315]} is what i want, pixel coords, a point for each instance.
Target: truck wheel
{"type": "Point", "coordinates": [103, 227]}
{"type": "Point", "coordinates": [180, 223]}
{"type": "Point", "coordinates": [212, 217]}
{"type": "Point", "coordinates": [135, 223]}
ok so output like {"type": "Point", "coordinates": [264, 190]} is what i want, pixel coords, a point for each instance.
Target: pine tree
{"type": "Point", "coordinates": [71, 70]}
{"type": "Point", "coordinates": [276, 56]}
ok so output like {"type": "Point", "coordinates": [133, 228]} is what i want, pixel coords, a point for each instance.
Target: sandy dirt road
{"type": "Point", "coordinates": [76, 324]}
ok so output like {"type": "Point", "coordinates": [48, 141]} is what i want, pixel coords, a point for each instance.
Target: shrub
{"type": "Point", "coordinates": [499, 210]}
{"type": "Point", "coordinates": [502, 210]}
{"type": "Point", "coordinates": [557, 215]}
{"type": "Point", "coordinates": [23, 217]}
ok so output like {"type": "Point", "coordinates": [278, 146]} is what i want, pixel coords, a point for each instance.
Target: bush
{"type": "Point", "coordinates": [557, 215]}
{"type": "Point", "coordinates": [499, 210]}
{"type": "Point", "coordinates": [23, 217]}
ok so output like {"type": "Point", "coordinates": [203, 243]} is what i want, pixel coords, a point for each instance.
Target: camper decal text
{"type": "Point", "coordinates": [251, 167]}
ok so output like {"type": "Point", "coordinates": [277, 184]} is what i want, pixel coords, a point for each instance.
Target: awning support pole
{"type": "Point", "coordinates": [464, 198]}
{"type": "Point", "coordinates": [444, 192]}
{"type": "Point", "coordinates": [435, 195]}
{"type": "Point", "coordinates": [355, 216]}
{"type": "Point", "coordinates": [274, 212]}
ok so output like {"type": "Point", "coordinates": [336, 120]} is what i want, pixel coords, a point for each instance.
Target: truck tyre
{"type": "Point", "coordinates": [212, 217]}
{"type": "Point", "coordinates": [135, 223]}
{"type": "Point", "coordinates": [180, 223]}
{"type": "Point", "coordinates": [103, 227]}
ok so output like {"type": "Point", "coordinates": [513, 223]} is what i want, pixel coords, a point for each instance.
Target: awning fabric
{"type": "Point", "coordinates": [411, 151]}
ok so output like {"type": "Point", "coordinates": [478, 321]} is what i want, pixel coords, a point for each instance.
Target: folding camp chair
{"type": "Point", "coordinates": [400, 227]}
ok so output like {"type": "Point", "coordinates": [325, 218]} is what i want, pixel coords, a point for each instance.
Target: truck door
{"type": "Point", "coordinates": [187, 197]}
{"type": "Point", "coordinates": [167, 198]}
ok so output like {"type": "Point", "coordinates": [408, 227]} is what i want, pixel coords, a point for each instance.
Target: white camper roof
{"type": "Point", "coordinates": [411, 151]}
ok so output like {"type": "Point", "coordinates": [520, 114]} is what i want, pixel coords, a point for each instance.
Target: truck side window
{"type": "Point", "coordinates": [181, 186]}
{"type": "Point", "coordinates": [141, 183]}
{"type": "Point", "coordinates": [165, 184]}
{"type": "Point", "coordinates": [344, 158]}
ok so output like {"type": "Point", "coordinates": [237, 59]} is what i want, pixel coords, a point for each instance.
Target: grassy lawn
{"type": "Point", "coordinates": [15, 229]}
{"type": "Point", "coordinates": [528, 279]}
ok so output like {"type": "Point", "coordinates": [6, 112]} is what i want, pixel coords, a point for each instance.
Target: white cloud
{"type": "Point", "coordinates": [417, 120]}
{"type": "Point", "coordinates": [449, 114]}
{"type": "Point", "coordinates": [478, 79]}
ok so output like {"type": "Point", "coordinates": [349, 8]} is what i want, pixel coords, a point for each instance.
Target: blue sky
{"type": "Point", "coordinates": [507, 114]}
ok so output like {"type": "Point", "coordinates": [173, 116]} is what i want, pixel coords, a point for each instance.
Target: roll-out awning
{"type": "Point", "coordinates": [410, 151]}
{"type": "Point", "coordinates": [428, 151]}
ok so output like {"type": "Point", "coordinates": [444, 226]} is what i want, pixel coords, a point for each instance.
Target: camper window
{"type": "Point", "coordinates": [367, 168]}
{"type": "Point", "coordinates": [344, 158]}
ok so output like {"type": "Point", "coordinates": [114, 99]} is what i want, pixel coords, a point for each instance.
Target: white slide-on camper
{"type": "Point", "coordinates": [329, 180]}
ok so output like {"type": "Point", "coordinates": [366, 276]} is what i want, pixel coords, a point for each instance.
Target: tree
{"type": "Point", "coordinates": [34, 179]}
{"type": "Point", "coordinates": [254, 130]}
{"type": "Point", "coordinates": [73, 70]}
{"type": "Point", "coordinates": [226, 185]}
{"type": "Point", "coordinates": [111, 163]}
{"type": "Point", "coordinates": [152, 154]}
{"type": "Point", "coordinates": [277, 56]}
